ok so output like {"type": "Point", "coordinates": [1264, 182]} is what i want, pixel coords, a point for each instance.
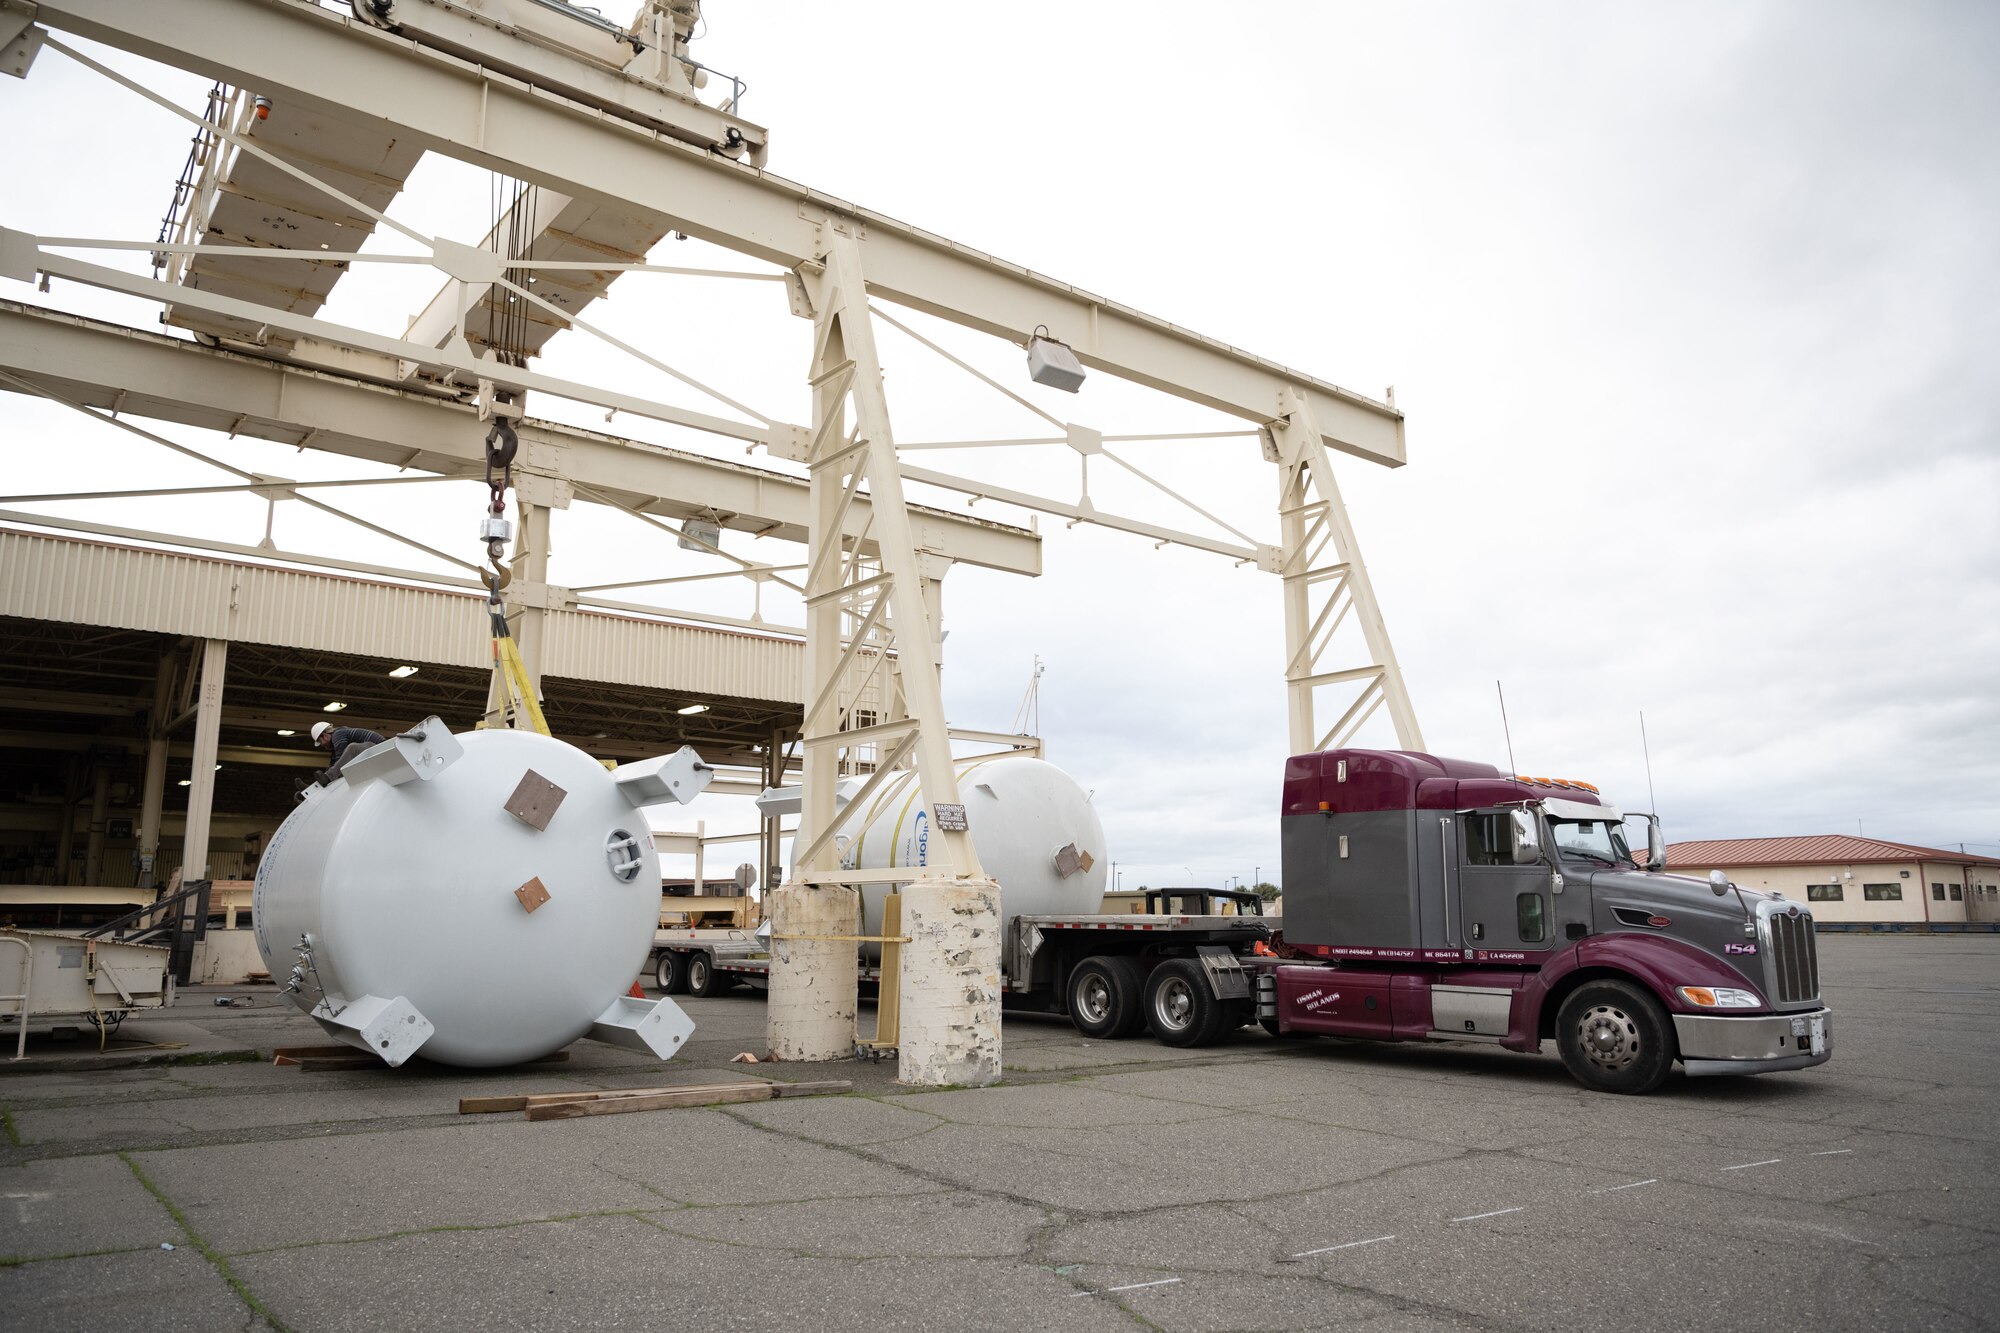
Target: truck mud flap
{"type": "Point", "coordinates": [1226, 976]}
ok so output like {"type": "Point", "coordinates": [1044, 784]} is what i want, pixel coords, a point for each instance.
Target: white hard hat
{"type": "Point", "coordinates": [320, 729]}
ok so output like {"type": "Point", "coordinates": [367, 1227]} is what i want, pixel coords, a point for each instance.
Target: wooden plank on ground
{"type": "Point", "coordinates": [663, 1099]}
{"type": "Point", "coordinates": [488, 1105]}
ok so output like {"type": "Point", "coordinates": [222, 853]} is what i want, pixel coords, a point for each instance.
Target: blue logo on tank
{"type": "Point", "coordinates": [923, 837]}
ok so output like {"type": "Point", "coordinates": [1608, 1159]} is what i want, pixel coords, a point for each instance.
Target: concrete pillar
{"type": "Point", "coordinates": [207, 735]}
{"type": "Point", "coordinates": [951, 983]}
{"type": "Point", "coordinates": [155, 792]}
{"type": "Point", "coordinates": [100, 810]}
{"type": "Point", "coordinates": [809, 1014]}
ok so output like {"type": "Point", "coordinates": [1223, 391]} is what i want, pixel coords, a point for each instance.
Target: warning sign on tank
{"type": "Point", "coordinates": [950, 818]}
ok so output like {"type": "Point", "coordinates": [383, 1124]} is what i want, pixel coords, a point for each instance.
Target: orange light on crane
{"type": "Point", "coordinates": [263, 107]}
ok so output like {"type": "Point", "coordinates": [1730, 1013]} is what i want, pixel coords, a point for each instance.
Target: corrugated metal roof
{"type": "Point", "coordinates": [74, 581]}
{"type": "Point", "coordinates": [1823, 849]}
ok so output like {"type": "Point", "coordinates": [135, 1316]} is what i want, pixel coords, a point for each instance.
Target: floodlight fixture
{"type": "Point", "coordinates": [333, 707]}
{"type": "Point", "coordinates": [403, 672]}
{"type": "Point", "coordinates": [1052, 363]}
{"type": "Point", "coordinates": [692, 709]}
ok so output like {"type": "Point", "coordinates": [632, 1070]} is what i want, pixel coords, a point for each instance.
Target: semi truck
{"type": "Point", "coordinates": [1432, 898]}
{"type": "Point", "coordinates": [1428, 898]}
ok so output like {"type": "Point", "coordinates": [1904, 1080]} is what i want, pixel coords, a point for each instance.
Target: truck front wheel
{"type": "Point", "coordinates": [1180, 1007]}
{"type": "Point", "coordinates": [1614, 1037]}
{"type": "Point", "coordinates": [1104, 997]}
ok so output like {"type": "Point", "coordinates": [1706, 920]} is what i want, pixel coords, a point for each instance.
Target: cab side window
{"type": "Point", "coordinates": [1488, 840]}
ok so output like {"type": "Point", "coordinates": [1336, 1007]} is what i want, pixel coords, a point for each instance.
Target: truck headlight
{"type": "Point", "coordinates": [1720, 997]}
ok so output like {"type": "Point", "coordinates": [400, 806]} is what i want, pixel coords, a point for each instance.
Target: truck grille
{"type": "Point", "coordinates": [1794, 964]}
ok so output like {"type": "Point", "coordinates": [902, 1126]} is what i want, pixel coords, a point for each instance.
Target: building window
{"type": "Point", "coordinates": [1956, 894]}
{"type": "Point", "coordinates": [1882, 893]}
{"type": "Point", "coordinates": [1937, 892]}
{"type": "Point", "coordinates": [1823, 893]}
{"type": "Point", "coordinates": [1904, 873]}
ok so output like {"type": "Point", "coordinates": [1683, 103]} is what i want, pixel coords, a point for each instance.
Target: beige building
{"type": "Point", "coordinates": [1853, 879]}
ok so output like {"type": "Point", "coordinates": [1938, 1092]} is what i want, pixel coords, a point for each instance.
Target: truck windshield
{"type": "Point", "coordinates": [1595, 839]}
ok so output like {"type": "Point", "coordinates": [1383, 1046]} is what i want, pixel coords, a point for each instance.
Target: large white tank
{"type": "Point", "coordinates": [1034, 828]}
{"type": "Point", "coordinates": [484, 898]}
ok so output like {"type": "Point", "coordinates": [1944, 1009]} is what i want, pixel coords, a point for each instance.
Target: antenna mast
{"type": "Point", "coordinates": [1647, 750]}
{"type": "Point", "coordinates": [1505, 729]}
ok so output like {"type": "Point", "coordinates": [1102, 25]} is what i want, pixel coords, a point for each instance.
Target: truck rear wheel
{"type": "Point", "coordinates": [1614, 1037]}
{"type": "Point", "coordinates": [702, 978]}
{"type": "Point", "coordinates": [1105, 999]}
{"type": "Point", "coordinates": [670, 970]}
{"type": "Point", "coordinates": [1180, 1007]}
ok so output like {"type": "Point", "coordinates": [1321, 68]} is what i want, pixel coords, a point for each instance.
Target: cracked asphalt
{"type": "Point", "coordinates": [1261, 1184]}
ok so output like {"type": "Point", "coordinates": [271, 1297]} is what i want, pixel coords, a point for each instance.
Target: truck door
{"type": "Point", "coordinates": [1496, 904]}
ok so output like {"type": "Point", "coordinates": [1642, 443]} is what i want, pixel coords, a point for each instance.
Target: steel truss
{"type": "Point", "coordinates": [871, 581]}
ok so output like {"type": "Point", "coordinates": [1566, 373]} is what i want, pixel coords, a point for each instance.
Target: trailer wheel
{"type": "Point", "coordinates": [670, 970]}
{"type": "Point", "coordinates": [1104, 997]}
{"type": "Point", "coordinates": [1614, 1037]}
{"type": "Point", "coordinates": [702, 978]}
{"type": "Point", "coordinates": [1180, 1007]}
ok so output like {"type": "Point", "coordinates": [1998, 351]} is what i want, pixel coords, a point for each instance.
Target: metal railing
{"type": "Point", "coordinates": [27, 988]}
{"type": "Point", "coordinates": [184, 927]}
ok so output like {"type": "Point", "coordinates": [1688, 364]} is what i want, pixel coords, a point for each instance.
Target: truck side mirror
{"type": "Point", "coordinates": [1656, 844]}
{"type": "Point", "coordinates": [1527, 837]}
{"type": "Point", "coordinates": [1718, 883]}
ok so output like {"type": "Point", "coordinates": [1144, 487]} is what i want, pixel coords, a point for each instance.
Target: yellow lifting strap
{"type": "Point", "coordinates": [517, 694]}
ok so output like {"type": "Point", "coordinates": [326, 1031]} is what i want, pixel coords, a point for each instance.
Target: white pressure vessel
{"type": "Point", "coordinates": [409, 901]}
{"type": "Point", "coordinates": [1034, 828]}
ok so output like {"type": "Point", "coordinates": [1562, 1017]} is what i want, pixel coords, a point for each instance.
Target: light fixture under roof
{"type": "Point", "coordinates": [333, 707]}
{"type": "Point", "coordinates": [692, 709]}
{"type": "Point", "coordinates": [403, 671]}
{"type": "Point", "coordinates": [187, 782]}
{"type": "Point", "coordinates": [286, 731]}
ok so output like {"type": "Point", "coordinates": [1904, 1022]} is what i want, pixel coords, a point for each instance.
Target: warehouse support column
{"type": "Point", "coordinates": [155, 792]}
{"type": "Point", "coordinates": [100, 812]}
{"type": "Point", "coordinates": [207, 737]}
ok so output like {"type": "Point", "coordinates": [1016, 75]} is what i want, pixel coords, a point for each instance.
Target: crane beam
{"type": "Point", "coordinates": [145, 374]}
{"type": "Point", "coordinates": [451, 104]}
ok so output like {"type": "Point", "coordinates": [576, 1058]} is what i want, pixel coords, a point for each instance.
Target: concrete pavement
{"type": "Point", "coordinates": [1258, 1185]}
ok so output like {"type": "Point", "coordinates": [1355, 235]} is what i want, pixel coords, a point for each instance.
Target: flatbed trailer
{"type": "Point", "coordinates": [1110, 974]}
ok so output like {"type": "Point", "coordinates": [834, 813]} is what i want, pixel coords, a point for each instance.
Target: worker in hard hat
{"type": "Point", "coordinates": [343, 743]}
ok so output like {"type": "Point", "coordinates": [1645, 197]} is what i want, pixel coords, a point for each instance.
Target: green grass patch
{"type": "Point", "coordinates": [7, 1128]}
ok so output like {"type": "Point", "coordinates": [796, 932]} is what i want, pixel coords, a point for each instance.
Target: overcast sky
{"type": "Point", "coordinates": [1692, 311]}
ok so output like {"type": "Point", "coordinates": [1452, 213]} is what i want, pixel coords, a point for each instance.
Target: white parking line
{"type": "Point", "coordinates": [1498, 1212]}
{"type": "Point", "coordinates": [1833, 1152]}
{"type": "Point", "coordinates": [1745, 1166]}
{"type": "Point", "coordinates": [1329, 1249]}
{"type": "Point", "coordinates": [1134, 1286]}
{"type": "Point", "coordinates": [1634, 1185]}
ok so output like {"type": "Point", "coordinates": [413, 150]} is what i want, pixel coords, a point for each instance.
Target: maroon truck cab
{"type": "Point", "coordinates": [1439, 898]}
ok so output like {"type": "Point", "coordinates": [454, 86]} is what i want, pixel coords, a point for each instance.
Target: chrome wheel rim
{"type": "Point", "coordinates": [1173, 1004]}
{"type": "Point", "coordinates": [1608, 1037]}
{"type": "Point", "coordinates": [1093, 999]}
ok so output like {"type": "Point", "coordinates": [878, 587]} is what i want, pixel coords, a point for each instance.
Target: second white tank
{"type": "Point", "coordinates": [1034, 828]}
